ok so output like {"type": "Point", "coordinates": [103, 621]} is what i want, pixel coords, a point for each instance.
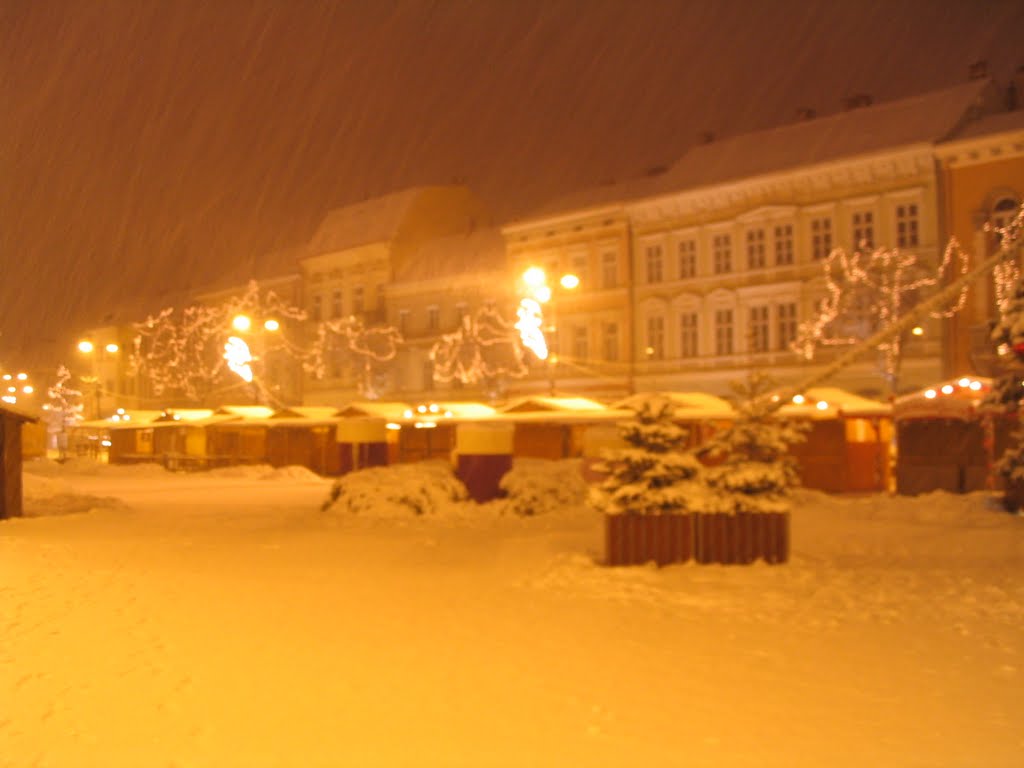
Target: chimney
{"type": "Point", "coordinates": [978, 70]}
{"type": "Point", "coordinates": [804, 114]}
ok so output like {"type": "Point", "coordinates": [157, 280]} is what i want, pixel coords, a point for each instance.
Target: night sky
{"type": "Point", "coordinates": [148, 145]}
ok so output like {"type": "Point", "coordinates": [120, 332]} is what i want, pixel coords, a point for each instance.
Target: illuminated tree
{"type": "Point", "coordinates": [483, 350]}
{"type": "Point", "coordinates": [63, 409]}
{"type": "Point", "coordinates": [367, 351]}
{"type": "Point", "coordinates": [868, 292]}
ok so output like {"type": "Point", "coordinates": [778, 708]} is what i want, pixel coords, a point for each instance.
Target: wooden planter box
{"type": "Point", "coordinates": [740, 539]}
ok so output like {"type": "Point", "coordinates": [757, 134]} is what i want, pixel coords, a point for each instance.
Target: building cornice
{"type": "Point", "coordinates": [982, 149]}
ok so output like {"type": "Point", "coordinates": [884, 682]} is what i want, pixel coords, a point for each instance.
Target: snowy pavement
{"type": "Point", "coordinates": [223, 620]}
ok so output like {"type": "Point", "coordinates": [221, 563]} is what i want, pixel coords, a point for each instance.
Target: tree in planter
{"type": "Point", "coordinates": [756, 473]}
{"type": "Point", "coordinates": [657, 474]}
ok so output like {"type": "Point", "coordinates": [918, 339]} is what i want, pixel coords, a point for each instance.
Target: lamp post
{"type": "Point", "coordinates": [237, 351]}
{"type": "Point", "coordinates": [539, 293]}
{"type": "Point", "coordinates": [95, 376]}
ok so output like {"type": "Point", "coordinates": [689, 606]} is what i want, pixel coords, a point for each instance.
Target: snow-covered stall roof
{"type": "Point", "coordinates": [306, 413]}
{"type": "Point", "coordinates": [560, 409]}
{"type": "Point", "coordinates": [953, 399]}
{"type": "Point", "coordinates": [17, 413]}
{"type": "Point", "coordinates": [247, 412]}
{"type": "Point", "coordinates": [391, 410]}
{"type": "Point", "coordinates": [556, 404]}
{"type": "Point", "coordinates": [124, 418]}
{"type": "Point", "coordinates": [926, 118]}
{"type": "Point", "coordinates": [833, 403]}
{"type": "Point", "coordinates": [687, 405]}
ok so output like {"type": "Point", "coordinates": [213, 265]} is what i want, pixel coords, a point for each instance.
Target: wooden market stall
{"type": "Point", "coordinates": [11, 460]}
{"type": "Point", "coordinates": [848, 446]}
{"type": "Point", "coordinates": [305, 436]}
{"type": "Point", "coordinates": [702, 414]}
{"type": "Point", "coordinates": [237, 434]}
{"type": "Point", "coordinates": [556, 427]}
{"type": "Point", "coordinates": [946, 440]}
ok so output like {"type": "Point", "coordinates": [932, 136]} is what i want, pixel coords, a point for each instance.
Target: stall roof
{"type": "Point", "coordinates": [688, 405]}
{"type": "Point", "coordinates": [553, 404]}
{"type": "Point", "coordinates": [957, 398]}
{"type": "Point", "coordinates": [17, 413]}
{"type": "Point", "coordinates": [246, 411]}
{"type": "Point", "coordinates": [832, 403]}
{"type": "Point", "coordinates": [307, 412]}
{"type": "Point", "coordinates": [126, 418]}
{"type": "Point", "coordinates": [392, 410]}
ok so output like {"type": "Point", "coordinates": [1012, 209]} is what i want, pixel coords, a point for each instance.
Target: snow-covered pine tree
{"type": "Point", "coordinates": [757, 472]}
{"type": "Point", "coordinates": [657, 474]}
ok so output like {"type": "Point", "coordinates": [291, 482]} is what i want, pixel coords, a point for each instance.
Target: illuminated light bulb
{"type": "Point", "coordinates": [1003, 349]}
{"type": "Point", "coordinates": [105, 443]}
{"type": "Point", "coordinates": [447, 414]}
{"type": "Point", "coordinates": [917, 330]}
{"type": "Point", "coordinates": [46, 406]}
{"type": "Point", "coordinates": [9, 399]}
{"type": "Point", "coordinates": [775, 398]}
{"type": "Point", "coordinates": [120, 410]}
{"type": "Point", "coordinates": [975, 386]}
{"type": "Point", "coordinates": [177, 417]}
{"type": "Point", "coordinates": [434, 408]}
{"type": "Point", "coordinates": [964, 382]}
{"type": "Point", "coordinates": [272, 325]}
{"type": "Point", "coordinates": [111, 348]}
{"type": "Point", "coordinates": [542, 294]}
{"type": "Point", "coordinates": [534, 277]}
{"type": "Point", "coordinates": [930, 394]}
{"type": "Point", "coordinates": [822, 405]}
{"type": "Point", "coordinates": [28, 389]}
{"type": "Point", "coordinates": [21, 376]}
{"type": "Point", "coordinates": [116, 417]}
{"type": "Point", "coordinates": [408, 413]}
{"type": "Point", "coordinates": [798, 399]}
{"type": "Point", "coordinates": [12, 389]}
{"type": "Point", "coordinates": [241, 323]}
{"type": "Point", "coordinates": [421, 408]}
{"type": "Point", "coordinates": [85, 347]}
{"type": "Point", "coordinates": [392, 425]}
{"type": "Point", "coordinates": [127, 417]}
{"type": "Point", "coordinates": [569, 282]}
{"type": "Point", "coordinates": [947, 389]}
{"type": "Point", "coordinates": [7, 377]}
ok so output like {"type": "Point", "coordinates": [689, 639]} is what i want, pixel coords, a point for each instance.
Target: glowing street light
{"type": "Point", "coordinates": [530, 323]}
{"type": "Point", "coordinates": [241, 323]}
{"type": "Point", "coordinates": [112, 348]}
{"type": "Point", "coordinates": [85, 347]}
{"type": "Point", "coordinates": [272, 325]}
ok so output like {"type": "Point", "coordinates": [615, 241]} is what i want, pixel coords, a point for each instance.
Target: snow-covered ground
{"type": "Point", "coordinates": [225, 620]}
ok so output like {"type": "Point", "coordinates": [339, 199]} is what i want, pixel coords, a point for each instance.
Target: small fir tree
{"type": "Point", "coordinates": [64, 408]}
{"type": "Point", "coordinates": [657, 474]}
{"type": "Point", "coordinates": [757, 472]}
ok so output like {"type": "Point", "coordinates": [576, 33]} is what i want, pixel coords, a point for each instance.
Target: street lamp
{"type": "Point", "coordinates": [538, 293]}
{"type": "Point", "coordinates": [237, 351]}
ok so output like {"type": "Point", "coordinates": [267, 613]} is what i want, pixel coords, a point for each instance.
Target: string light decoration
{"type": "Point", "coordinates": [865, 292]}
{"type": "Point", "coordinates": [182, 351]}
{"type": "Point", "coordinates": [64, 407]}
{"type": "Point", "coordinates": [368, 350]}
{"type": "Point", "coordinates": [484, 349]}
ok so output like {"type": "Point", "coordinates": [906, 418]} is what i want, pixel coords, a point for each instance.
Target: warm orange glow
{"type": "Point", "coordinates": [85, 347]}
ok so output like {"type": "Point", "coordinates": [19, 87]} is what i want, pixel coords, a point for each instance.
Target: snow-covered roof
{"type": "Point", "coordinates": [391, 410]}
{"type": "Point", "coordinates": [246, 411]}
{"type": "Point", "coordinates": [306, 412]}
{"type": "Point", "coordinates": [688, 405]}
{"type": "Point", "coordinates": [953, 399]}
{"type": "Point", "coordinates": [990, 125]}
{"type": "Point", "coordinates": [481, 250]}
{"type": "Point", "coordinates": [926, 118]}
{"type": "Point", "coordinates": [17, 413]}
{"type": "Point", "coordinates": [832, 403]}
{"type": "Point", "coordinates": [124, 418]}
{"type": "Point", "coordinates": [553, 404]}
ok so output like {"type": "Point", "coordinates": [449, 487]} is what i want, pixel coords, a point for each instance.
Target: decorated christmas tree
{"type": "Point", "coordinates": [657, 474]}
{"type": "Point", "coordinates": [757, 472]}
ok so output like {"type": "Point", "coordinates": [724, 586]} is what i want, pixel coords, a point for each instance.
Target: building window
{"type": "Point", "coordinates": [428, 375]}
{"type": "Point", "coordinates": [655, 338]}
{"type": "Point", "coordinates": [609, 270]}
{"type": "Point", "coordinates": [654, 266]}
{"type": "Point", "coordinates": [688, 334]}
{"type": "Point", "coordinates": [784, 245]}
{"type": "Point", "coordinates": [579, 268]}
{"type": "Point", "coordinates": [403, 322]}
{"type": "Point", "coordinates": [336, 304]}
{"type": "Point", "coordinates": [380, 299]}
{"type": "Point", "coordinates": [821, 237]}
{"type": "Point", "coordinates": [721, 248]}
{"type": "Point", "coordinates": [433, 317]}
{"type": "Point", "coordinates": [580, 346]}
{"type": "Point", "coordinates": [723, 331]}
{"type": "Point", "coordinates": [863, 225]}
{"type": "Point", "coordinates": [755, 249]}
{"type": "Point", "coordinates": [786, 316]}
{"type": "Point", "coordinates": [357, 299]}
{"type": "Point", "coordinates": [610, 341]}
{"type": "Point", "coordinates": [758, 329]}
{"type": "Point", "coordinates": [318, 312]}
{"type": "Point", "coordinates": [687, 259]}
{"type": "Point", "coordinates": [906, 226]}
